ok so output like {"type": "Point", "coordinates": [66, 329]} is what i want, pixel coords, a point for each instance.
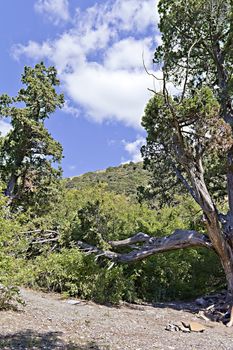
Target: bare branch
{"type": "Point", "coordinates": [45, 232]}
{"type": "Point", "coordinates": [41, 241]}
{"type": "Point", "coordinates": [187, 69]}
{"type": "Point", "coordinates": [179, 239]}
{"type": "Point", "coordinates": [138, 238]}
{"type": "Point", "coordinates": [154, 92]}
{"type": "Point", "coordinates": [146, 70]}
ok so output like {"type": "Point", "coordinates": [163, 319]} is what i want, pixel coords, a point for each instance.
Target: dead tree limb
{"type": "Point", "coordinates": [179, 239]}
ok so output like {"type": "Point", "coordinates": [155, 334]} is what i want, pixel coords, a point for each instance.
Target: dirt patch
{"type": "Point", "coordinates": [48, 322]}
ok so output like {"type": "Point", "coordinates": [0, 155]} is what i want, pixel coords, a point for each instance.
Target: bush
{"type": "Point", "coordinates": [72, 273]}
{"type": "Point", "coordinates": [96, 216]}
{"type": "Point", "coordinates": [10, 297]}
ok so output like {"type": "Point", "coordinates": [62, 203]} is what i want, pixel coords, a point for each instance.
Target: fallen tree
{"type": "Point", "coordinates": [189, 133]}
{"type": "Point", "coordinates": [177, 240]}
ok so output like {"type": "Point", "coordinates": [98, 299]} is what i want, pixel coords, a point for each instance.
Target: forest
{"type": "Point", "coordinates": [97, 236]}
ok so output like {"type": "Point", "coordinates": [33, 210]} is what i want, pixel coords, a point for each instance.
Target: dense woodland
{"type": "Point", "coordinates": [50, 227]}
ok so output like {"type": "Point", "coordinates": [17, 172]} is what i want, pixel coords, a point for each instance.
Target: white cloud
{"type": "Point", "coordinates": [32, 50]}
{"type": "Point", "coordinates": [55, 10]}
{"type": "Point", "coordinates": [4, 128]}
{"type": "Point", "coordinates": [119, 95]}
{"type": "Point", "coordinates": [133, 148]}
{"type": "Point", "coordinates": [134, 14]}
{"type": "Point", "coordinates": [99, 59]}
{"type": "Point", "coordinates": [69, 109]}
{"type": "Point", "coordinates": [158, 39]}
{"type": "Point", "coordinates": [127, 54]}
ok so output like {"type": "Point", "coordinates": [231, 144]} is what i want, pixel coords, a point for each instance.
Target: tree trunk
{"type": "Point", "coordinates": [223, 247]}
{"type": "Point", "coordinates": [11, 186]}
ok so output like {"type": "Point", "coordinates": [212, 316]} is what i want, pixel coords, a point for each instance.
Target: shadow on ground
{"type": "Point", "coordinates": [179, 305]}
{"type": "Point", "coordinates": [29, 340]}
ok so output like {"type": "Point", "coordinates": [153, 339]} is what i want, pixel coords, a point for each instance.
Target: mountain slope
{"type": "Point", "coordinates": [124, 179]}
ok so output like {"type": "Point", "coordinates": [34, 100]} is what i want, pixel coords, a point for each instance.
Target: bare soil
{"type": "Point", "coordinates": [48, 322]}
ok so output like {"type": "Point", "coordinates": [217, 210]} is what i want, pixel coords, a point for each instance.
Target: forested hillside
{"type": "Point", "coordinates": [124, 179]}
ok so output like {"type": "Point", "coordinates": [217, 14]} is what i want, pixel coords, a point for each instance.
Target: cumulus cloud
{"type": "Point", "coordinates": [127, 54]}
{"type": "Point", "coordinates": [99, 59]}
{"type": "Point", "coordinates": [133, 149]}
{"type": "Point", "coordinates": [119, 95]}
{"type": "Point", "coordinates": [55, 10]}
{"type": "Point", "coordinates": [4, 128]}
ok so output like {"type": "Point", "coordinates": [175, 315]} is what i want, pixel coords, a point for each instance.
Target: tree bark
{"type": "Point", "coordinates": [179, 239]}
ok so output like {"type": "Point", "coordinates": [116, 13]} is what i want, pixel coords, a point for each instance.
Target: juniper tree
{"type": "Point", "coordinates": [28, 151]}
{"type": "Point", "coordinates": [190, 133]}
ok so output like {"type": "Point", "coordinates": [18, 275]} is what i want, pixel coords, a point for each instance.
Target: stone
{"type": "Point", "coordinates": [172, 328]}
{"type": "Point", "coordinates": [73, 302]}
{"type": "Point", "coordinates": [196, 327]}
{"type": "Point", "coordinates": [181, 327]}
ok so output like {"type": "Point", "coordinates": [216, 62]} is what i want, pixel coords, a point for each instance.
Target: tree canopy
{"type": "Point", "coordinates": [28, 151]}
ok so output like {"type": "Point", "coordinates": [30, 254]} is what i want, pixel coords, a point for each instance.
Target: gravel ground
{"type": "Point", "coordinates": [48, 322]}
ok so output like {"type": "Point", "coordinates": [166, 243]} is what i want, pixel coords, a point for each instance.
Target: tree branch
{"type": "Point", "coordinates": [185, 182]}
{"type": "Point", "coordinates": [45, 232]}
{"type": "Point", "coordinates": [187, 70]}
{"type": "Point", "coordinates": [138, 238]}
{"type": "Point", "coordinates": [179, 239]}
{"type": "Point", "coordinates": [41, 241]}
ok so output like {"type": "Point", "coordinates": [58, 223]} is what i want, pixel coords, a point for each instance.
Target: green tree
{"type": "Point", "coordinates": [190, 129]}
{"type": "Point", "coordinates": [197, 52]}
{"type": "Point", "coordinates": [28, 151]}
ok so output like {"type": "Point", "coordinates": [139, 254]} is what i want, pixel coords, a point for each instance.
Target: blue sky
{"type": "Point", "coordinates": [97, 48]}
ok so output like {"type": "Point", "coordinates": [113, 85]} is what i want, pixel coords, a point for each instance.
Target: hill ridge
{"type": "Point", "coordinates": [122, 179]}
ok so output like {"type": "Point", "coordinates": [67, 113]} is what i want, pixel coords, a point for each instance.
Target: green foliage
{"type": "Point", "coordinates": [28, 151]}
{"type": "Point", "coordinates": [180, 275]}
{"type": "Point", "coordinates": [124, 179]}
{"type": "Point", "coordinates": [106, 216]}
{"type": "Point", "coordinates": [71, 272]}
{"type": "Point", "coordinates": [96, 215]}
{"type": "Point", "coordinates": [197, 33]}
{"type": "Point", "coordinates": [10, 298]}
{"type": "Point", "coordinates": [196, 52]}
{"type": "Point", "coordinates": [180, 134]}
{"type": "Point", "coordinates": [11, 245]}
{"type": "Point", "coordinates": [102, 206]}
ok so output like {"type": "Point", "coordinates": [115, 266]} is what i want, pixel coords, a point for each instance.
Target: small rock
{"type": "Point", "coordinates": [172, 328]}
{"type": "Point", "coordinates": [196, 327]}
{"type": "Point", "coordinates": [73, 302]}
{"type": "Point", "coordinates": [183, 328]}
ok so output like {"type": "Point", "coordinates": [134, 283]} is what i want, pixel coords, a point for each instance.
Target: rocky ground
{"type": "Point", "coordinates": [48, 322]}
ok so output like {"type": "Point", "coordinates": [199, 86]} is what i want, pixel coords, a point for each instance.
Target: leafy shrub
{"type": "Point", "coordinates": [10, 297]}
{"type": "Point", "coordinates": [73, 273]}
{"type": "Point", "coordinates": [179, 275]}
{"type": "Point", "coordinates": [96, 216]}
